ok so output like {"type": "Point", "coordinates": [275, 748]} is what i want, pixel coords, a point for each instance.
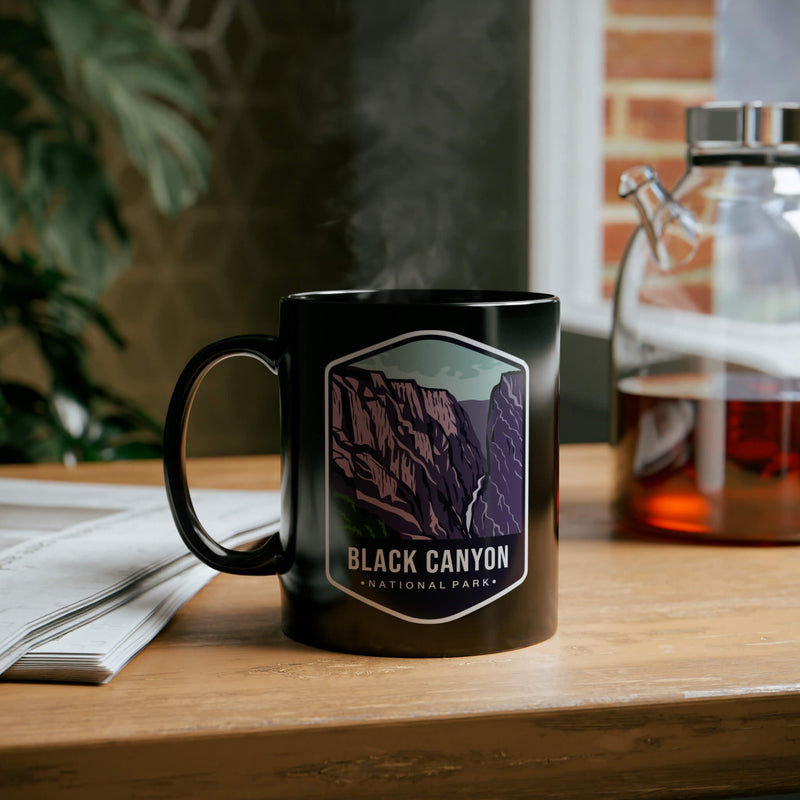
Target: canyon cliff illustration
{"type": "Point", "coordinates": [410, 461]}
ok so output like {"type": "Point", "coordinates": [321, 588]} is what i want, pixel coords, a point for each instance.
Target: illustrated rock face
{"type": "Point", "coordinates": [427, 475]}
{"type": "Point", "coordinates": [499, 507]}
{"type": "Point", "coordinates": [409, 456]}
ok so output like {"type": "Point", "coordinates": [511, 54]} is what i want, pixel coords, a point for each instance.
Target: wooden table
{"type": "Point", "coordinates": [675, 673]}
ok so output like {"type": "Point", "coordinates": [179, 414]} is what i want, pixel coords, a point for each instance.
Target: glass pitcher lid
{"type": "Point", "coordinates": [732, 126]}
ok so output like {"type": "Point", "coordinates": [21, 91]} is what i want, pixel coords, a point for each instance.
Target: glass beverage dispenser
{"type": "Point", "coordinates": [706, 338]}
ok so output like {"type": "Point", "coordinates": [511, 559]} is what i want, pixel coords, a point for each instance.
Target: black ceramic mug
{"type": "Point", "coordinates": [419, 469]}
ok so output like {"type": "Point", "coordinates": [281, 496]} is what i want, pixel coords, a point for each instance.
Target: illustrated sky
{"type": "Point", "coordinates": [438, 364]}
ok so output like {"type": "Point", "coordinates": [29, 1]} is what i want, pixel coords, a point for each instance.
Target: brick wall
{"type": "Point", "coordinates": [659, 61]}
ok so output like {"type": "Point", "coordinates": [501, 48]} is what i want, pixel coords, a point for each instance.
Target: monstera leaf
{"type": "Point", "coordinates": [78, 63]}
{"type": "Point", "coordinates": [111, 54]}
{"type": "Point", "coordinates": [72, 74]}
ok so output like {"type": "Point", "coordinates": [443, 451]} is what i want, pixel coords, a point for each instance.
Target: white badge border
{"type": "Point", "coordinates": [385, 345]}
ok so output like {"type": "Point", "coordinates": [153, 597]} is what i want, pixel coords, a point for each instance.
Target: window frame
{"type": "Point", "coordinates": [566, 160]}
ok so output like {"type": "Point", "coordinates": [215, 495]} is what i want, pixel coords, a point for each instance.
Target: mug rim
{"type": "Point", "coordinates": [428, 297]}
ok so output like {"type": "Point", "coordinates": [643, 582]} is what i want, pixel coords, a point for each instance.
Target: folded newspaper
{"type": "Point", "coordinates": [89, 573]}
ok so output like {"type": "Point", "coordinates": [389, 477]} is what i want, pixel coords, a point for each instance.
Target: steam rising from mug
{"type": "Point", "coordinates": [438, 120]}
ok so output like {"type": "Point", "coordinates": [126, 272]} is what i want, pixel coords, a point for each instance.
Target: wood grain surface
{"type": "Point", "coordinates": [675, 672]}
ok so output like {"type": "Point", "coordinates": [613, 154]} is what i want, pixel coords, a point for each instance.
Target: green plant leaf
{"type": "Point", "coordinates": [61, 69]}
{"type": "Point", "coordinates": [9, 207]}
{"type": "Point", "coordinates": [21, 39]}
{"type": "Point", "coordinates": [37, 79]}
{"type": "Point", "coordinates": [75, 211]}
{"type": "Point", "coordinates": [12, 104]}
{"type": "Point", "coordinates": [147, 85]}
{"type": "Point", "coordinates": [43, 303]}
{"type": "Point", "coordinates": [28, 432]}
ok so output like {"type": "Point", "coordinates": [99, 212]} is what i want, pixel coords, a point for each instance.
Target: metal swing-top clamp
{"type": "Point", "coordinates": [758, 133]}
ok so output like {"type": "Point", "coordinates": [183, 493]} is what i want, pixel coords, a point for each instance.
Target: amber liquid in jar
{"type": "Point", "coordinates": [709, 457]}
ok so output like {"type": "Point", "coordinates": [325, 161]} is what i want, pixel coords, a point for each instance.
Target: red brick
{"type": "Point", "coordinates": [609, 286]}
{"type": "Point", "coordinates": [617, 235]}
{"type": "Point", "coordinates": [668, 169]}
{"type": "Point", "coordinates": [615, 239]}
{"type": "Point", "coordinates": [663, 8]}
{"type": "Point", "coordinates": [703, 258]}
{"type": "Point", "coordinates": [657, 118]}
{"type": "Point", "coordinates": [695, 270]}
{"type": "Point", "coordinates": [689, 296]}
{"type": "Point", "coordinates": [659, 54]}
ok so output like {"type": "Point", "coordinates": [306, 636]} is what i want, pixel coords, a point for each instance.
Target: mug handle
{"type": "Point", "coordinates": [265, 560]}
